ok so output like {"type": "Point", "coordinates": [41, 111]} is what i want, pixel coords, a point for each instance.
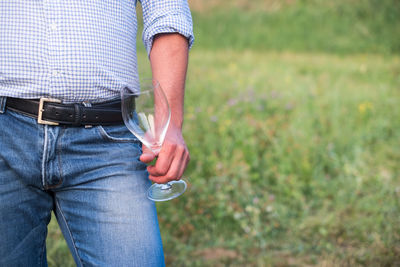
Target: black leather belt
{"type": "Point", "coordinates": [53, 112]}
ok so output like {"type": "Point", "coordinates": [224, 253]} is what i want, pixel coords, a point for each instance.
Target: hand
{"type": "Point", "coordinates": [172, 159]}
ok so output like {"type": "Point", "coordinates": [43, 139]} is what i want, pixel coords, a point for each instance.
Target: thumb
{"type": "Point", "coordinates": [147, 155]}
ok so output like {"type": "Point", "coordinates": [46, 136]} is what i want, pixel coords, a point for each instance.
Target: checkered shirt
{"type": "Point", "coordinates": [79, 50]}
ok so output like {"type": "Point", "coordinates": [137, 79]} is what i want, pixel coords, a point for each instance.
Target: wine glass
{"type": "Point", "coordinates": [146, 114]}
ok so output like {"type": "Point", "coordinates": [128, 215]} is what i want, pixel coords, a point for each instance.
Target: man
{"type": "Point", "coordinates": [88, 169]}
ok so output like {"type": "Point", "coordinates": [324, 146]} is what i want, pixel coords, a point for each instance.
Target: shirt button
{"type": "Point", "coordinates": [55, 73]}
{"type": "Point", "coordinates": [53, 26]}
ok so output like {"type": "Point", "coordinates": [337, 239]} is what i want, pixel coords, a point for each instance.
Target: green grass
{"type": "Point", "coordinates": [295, 145]}
{"type": "Point", "coordinates": [340, 26]}
{"type": "Point", "coordinates": [298, 155]}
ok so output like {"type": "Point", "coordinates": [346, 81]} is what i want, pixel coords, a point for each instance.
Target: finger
{"type": "Point", "coordinates": [147, 155]}
{"type": "Point", "coordinates": [159, 180]}
{"type": "Point", "coordinates": [176, 169]}
{"type": "Point", "coordinates": [183, 166]}
{"type": "Point", "coordinates": [171, 175]}
{"type": "Point", "coordinates": [165, 157]}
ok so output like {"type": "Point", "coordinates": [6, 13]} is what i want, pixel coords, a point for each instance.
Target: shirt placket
{"type": "Point", "coordinates": [52, 13]}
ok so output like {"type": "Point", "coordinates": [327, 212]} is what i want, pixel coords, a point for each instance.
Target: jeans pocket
{"type": "Point", "coordinates": [117, 133]}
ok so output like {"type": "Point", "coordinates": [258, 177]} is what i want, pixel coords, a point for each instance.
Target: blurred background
{"type": "Point", "coordinates": [293, 124]}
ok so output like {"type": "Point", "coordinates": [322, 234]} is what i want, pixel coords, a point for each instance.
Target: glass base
{"type": "Point", "coordinates": [168, 191]}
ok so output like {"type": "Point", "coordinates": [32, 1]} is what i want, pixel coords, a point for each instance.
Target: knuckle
{"type": "Point", "coordinates": [180, 151]}
{"type": "Point", "coordinates": [185, 148]}
{"type": "Point", "coordinates": [169, 177]}
{"type": "Point", "coordinates": [172, 146]}
{"type": "Point", "coordinates": [161, 172]}
{"type": "Point", "coordinates": [178, 177]}
{"type": "Point", "coordinates": [155, 172]}
{"type": "Point", "coordinates": [162, 169]}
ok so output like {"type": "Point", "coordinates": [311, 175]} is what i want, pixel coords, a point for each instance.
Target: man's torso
{"type": "Point", "coordinates": [73, 50]}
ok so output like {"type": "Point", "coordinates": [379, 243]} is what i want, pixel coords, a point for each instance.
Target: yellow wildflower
{"type": "Point", "coordinates": [365, 106]}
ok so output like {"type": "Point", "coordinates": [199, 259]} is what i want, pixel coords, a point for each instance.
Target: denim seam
{"type": "Point", "coordinates": [43, 253]}
{"type": "Point", "coordinates": [58, 156]}
{"type": "Point", "coordinates": [58, 206]}
{"type": "Point", "coordinates": [108, 137]}
{"type": "Point", "coordinates": [44, 157]}
{"type": "Point", "coordinates": [59, 149]}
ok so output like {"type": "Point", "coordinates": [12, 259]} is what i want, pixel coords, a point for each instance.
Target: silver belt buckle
{"type": "Point", "coordinates": [40, 111]}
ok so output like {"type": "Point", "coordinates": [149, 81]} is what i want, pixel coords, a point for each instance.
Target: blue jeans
{"type": "Point", "coordinates": [93, 181]}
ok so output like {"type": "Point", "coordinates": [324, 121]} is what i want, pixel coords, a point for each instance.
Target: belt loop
{"type": "Point", "coordinates": [77, 114]}
{"type": "Point", "coordinates": [87, 104]}
{"type": "Point", "coordinates": [3, 100]}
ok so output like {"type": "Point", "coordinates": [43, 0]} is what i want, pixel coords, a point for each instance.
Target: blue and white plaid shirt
{"type": "Point", "coordinates": [79, 50]}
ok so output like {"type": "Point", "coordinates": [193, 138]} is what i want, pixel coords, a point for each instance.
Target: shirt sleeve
{"type": "Point", "coordinates": [166, 16]}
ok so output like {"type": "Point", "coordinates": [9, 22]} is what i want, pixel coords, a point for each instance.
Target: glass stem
{"type": "Point", "coordinates": [166, 186]}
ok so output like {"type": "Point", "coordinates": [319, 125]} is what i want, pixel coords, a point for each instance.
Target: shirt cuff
{"type": "Point", "coordinates": [169, 23]}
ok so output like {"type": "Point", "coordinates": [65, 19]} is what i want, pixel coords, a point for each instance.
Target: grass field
{"type": "Point", "coordinates": [295, 147]}
{"type": "Point", "coordinates": [340, 26]}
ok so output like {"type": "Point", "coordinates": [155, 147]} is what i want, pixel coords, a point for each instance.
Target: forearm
{"type": "Point", "coordinates": [169, 60]}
